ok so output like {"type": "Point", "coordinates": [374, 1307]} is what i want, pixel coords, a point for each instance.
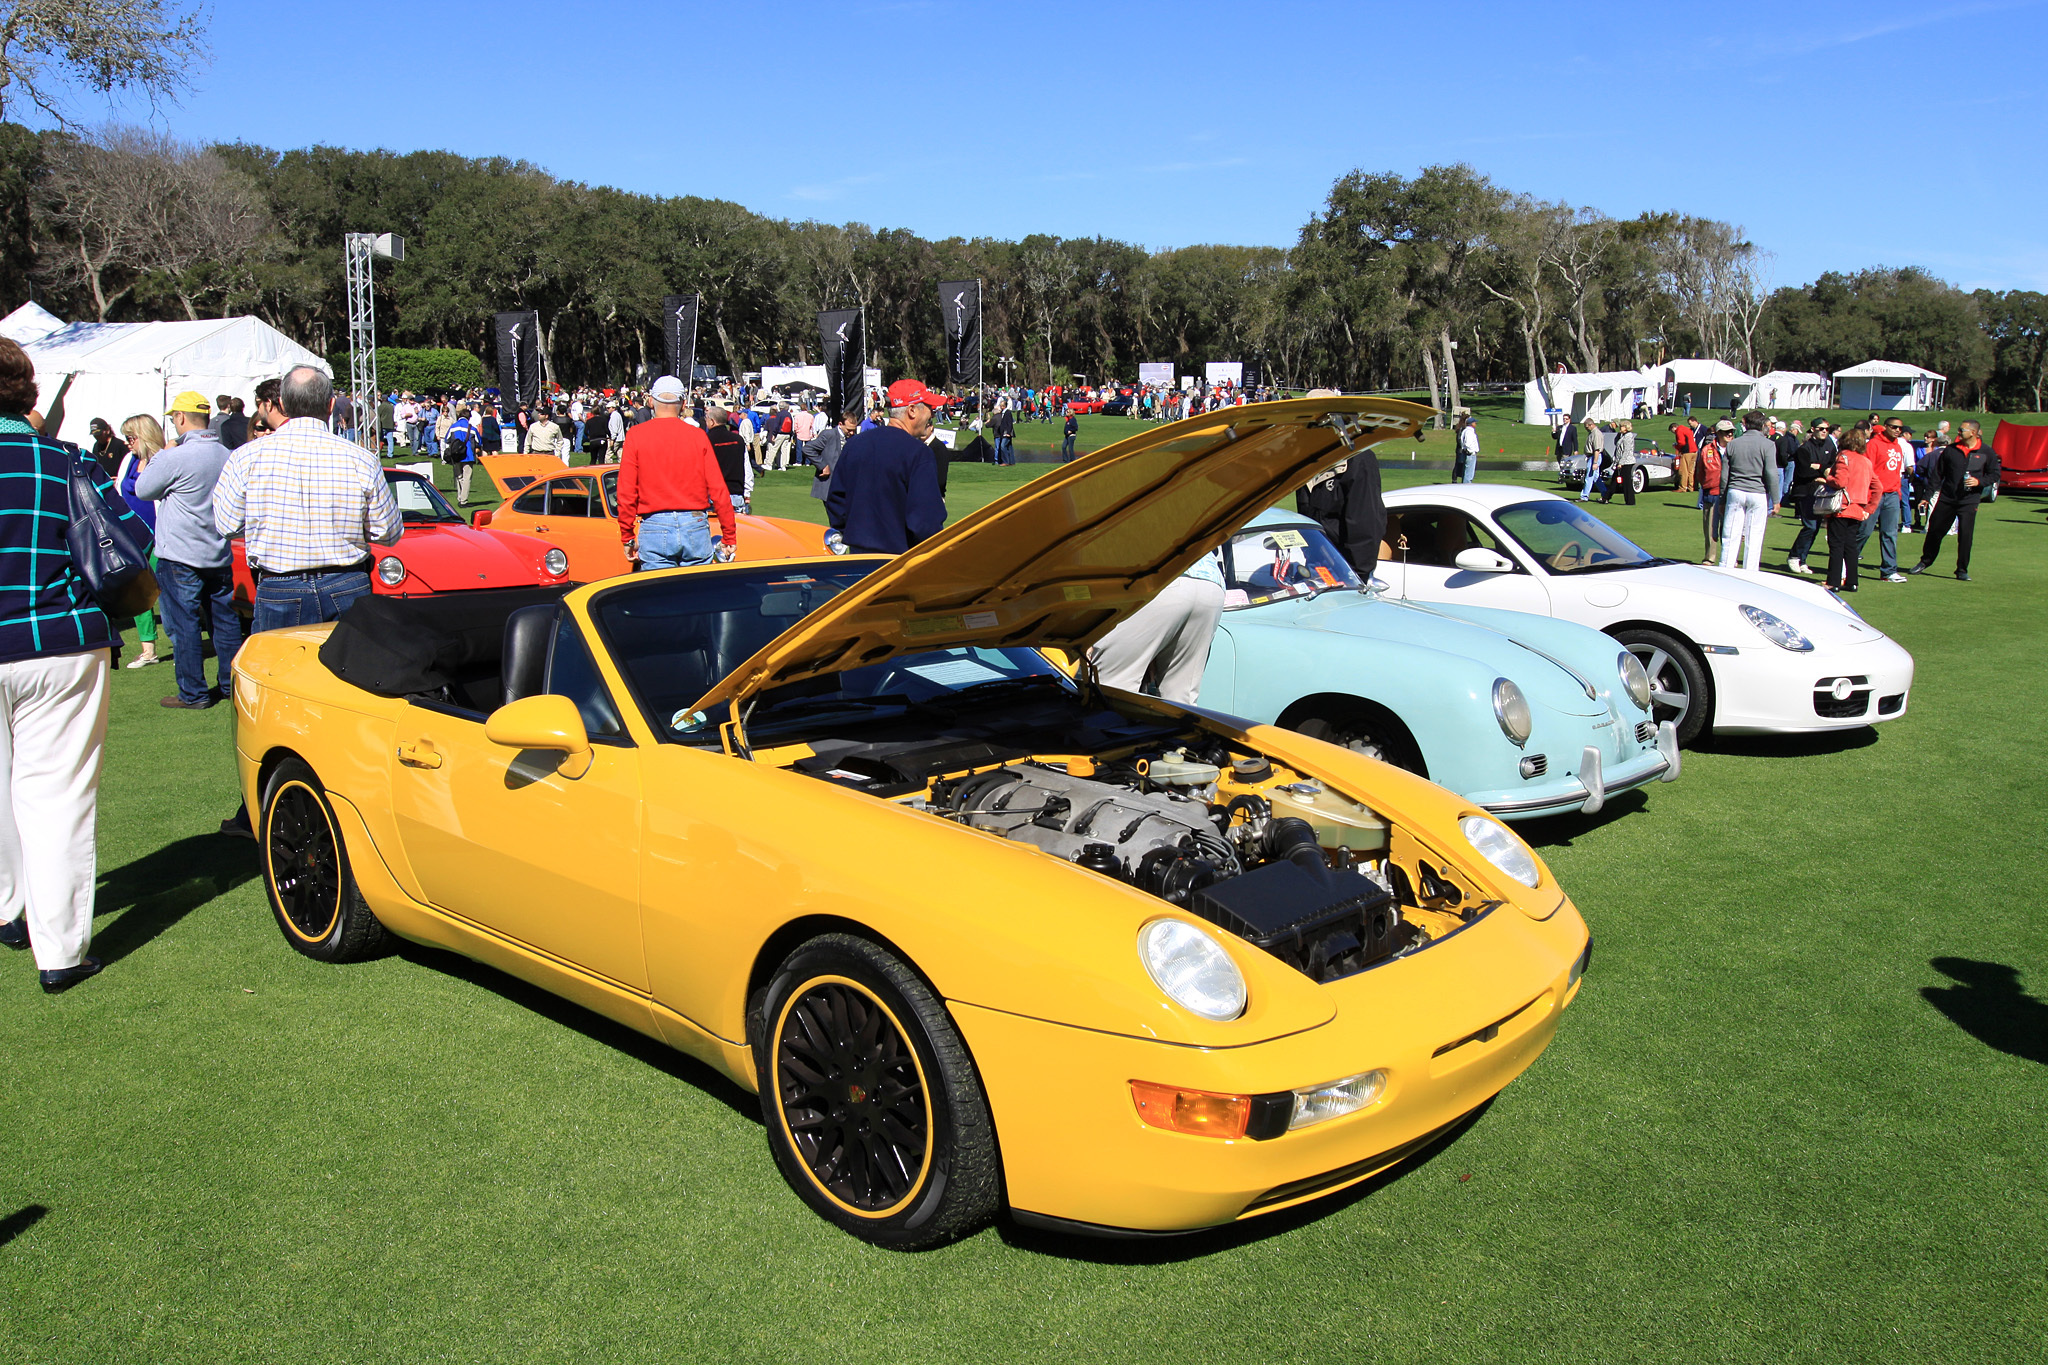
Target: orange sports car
{"type": "Point", "coordinates": [577, 508]}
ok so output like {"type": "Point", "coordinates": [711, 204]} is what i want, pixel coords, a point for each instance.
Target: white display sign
{"type": "Point", "coordinates": [1160, 376]}
{"type": "Point", "coordinates": [1225, 372]}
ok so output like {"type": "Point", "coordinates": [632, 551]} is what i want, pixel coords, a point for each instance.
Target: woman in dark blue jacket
{"type": "Point", "coordinates": [55, 647]}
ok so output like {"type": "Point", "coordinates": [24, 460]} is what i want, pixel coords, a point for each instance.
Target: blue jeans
{"type": "Point", "coordinates": [1005, 445]}
{"type": "Point", "coordinates": [195, 599]}
{"type": "Point", "coordinates": [578, 444]}
{"type": "Point", "coordinates": [1886, 524]}
{"type": "Point", "coordinates": [1592, 477]}
{"type": "Point", "coordinates": [282, 602]}
{"type": "Point", "coordinates": [1468, 467]}
{"type": "Point", "coordinates": [1067, 448]}
{"type": "Point", "coordinates": [673, 540]}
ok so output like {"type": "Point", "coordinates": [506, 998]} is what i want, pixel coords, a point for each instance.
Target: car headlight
{"type": "Point", "coordinates": [1511, 709]}
{"type": "Point", "coordinates": [835, 542]}
{"type": "Point", "coordinates": [1635, 679]}
{"type": "Point", "coordinates": [1780, 633]}
{"type": "Point", "coordinates": [1490, 838]}
{"type": "Point", "coordinates": [1192, 969]}
{"type": "Point", "coordinates": [390, 571]}
{"type": "Point", "coordinates": [557, 562]}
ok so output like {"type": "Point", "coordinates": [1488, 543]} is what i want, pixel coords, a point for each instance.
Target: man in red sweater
{"type": "Point", "coordinates": [1888, 455]}
{"type": "Point", "coordinates": [669, 484]}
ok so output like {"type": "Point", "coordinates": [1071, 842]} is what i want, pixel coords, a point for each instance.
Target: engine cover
{"type": "Point", "coordinates": [1067, 816]}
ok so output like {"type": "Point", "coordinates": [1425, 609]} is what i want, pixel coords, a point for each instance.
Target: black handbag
{"type": "Point", "coordinates": [1828, 501]}
{"type": "Point", "coordinates": [107, 552]}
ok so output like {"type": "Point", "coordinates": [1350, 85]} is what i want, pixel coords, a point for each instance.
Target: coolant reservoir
{"type": "Point", "coordinates": [1339, 821]}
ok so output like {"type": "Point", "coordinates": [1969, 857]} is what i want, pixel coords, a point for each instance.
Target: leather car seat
{"type": "Point", "coordinates": [529, 632]}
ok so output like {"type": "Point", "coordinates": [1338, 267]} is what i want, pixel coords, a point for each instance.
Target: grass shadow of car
{"type": "Point", "coordinates": [162, 887]}
{"type": "Point", "coordinates": [1559, 831]}
{"type": "Point", "coordinates": [1987, 1003]}
{"type": "Point", "coordinates": [1813, 745]}
{"type": "Point", "coordinates": [20, 1221]}
{"type": "Point", "coordinates": [1173, 1248]}
{"type": "Point", "coordinates": [606, 1032]}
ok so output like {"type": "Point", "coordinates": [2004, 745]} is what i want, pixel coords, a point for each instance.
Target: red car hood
{"type": "Point", "coordinates": [450, 558]}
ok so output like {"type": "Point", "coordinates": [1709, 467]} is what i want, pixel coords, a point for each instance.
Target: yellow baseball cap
{"type": "Point", "coordinates": [188, 401]}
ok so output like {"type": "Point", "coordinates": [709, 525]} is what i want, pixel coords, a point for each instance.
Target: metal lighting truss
{"type": "Point", "coordinates": [357, 249]}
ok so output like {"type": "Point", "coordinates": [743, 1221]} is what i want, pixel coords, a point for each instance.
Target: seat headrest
{"type": "Point", "coordinates": [529, 632]}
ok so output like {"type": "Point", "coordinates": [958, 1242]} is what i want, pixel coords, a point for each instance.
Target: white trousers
{"type": "Point", "coordinates": [1744, 517]}
{"type": "Point", "coordinates": [1173, 631]}
{"type": "Point", "coordinates": [53, 727]}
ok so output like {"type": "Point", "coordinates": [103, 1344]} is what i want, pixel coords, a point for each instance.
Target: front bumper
{"type": "Point", "coordinates": [1586, 783]}
{"type": "Point", "coordinates": [1767, 690]}
{"type": "Point", "coordinates": [1451, 1026]}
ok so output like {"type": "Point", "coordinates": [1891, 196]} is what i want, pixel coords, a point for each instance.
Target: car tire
{"type": "Point", "coordinates": [1370, 730]}
{"type": "Point", "coordinates": [1681, 690]}
{"type": "Point", "coordinates": [855, 1054]}
{"type": "Point", "coordinates": [306, 873]}
{"type": "Point", "coordinates": [1638, 479]}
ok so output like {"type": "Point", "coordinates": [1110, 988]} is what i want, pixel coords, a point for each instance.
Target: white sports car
{"type": "Point", "coordinates": [1742, 653]}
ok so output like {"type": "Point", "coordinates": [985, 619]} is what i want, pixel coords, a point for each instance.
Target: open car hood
{"type": "Point", "coordinates": [1060, 561]}
{"type": "Point", "coordinates": [512, 473]}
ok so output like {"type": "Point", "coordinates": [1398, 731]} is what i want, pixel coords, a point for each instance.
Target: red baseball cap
{"type": "Point", "coordinates": [905, 392]}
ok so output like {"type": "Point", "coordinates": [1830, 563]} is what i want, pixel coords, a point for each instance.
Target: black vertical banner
{"type": "Point", "coordinates": [845, 342]}
{"type": "Point", "coordinates": [960, 309]}
{"type": "Point", "coordinates": [1253, 376]}
{"type": "Point", "coordinates": [679, 334]}
{"type": "Point", "coordinates": [518, 336]}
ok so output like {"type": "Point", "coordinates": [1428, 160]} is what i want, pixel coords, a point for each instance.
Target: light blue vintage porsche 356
{"type": "Point", "coordinates": [1520, 714]}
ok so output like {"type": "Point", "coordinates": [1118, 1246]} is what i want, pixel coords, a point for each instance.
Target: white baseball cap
{"type": "Point", "coordinates": [667, 389]}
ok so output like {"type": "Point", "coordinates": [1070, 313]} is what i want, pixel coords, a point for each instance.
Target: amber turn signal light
{"type": "Point", "coordinates": [1203, 1113]}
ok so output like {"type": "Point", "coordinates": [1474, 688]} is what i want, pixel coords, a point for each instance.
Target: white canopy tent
{"type": "Point", "coordinates": [1708, 383]}
{"type": "Point", "coordinates": [30, 322]}
{"type": "Point", "coordinates": [1789, 389]}
{"type": "Point", "coordinates": [124, 369]}
{"type": "Point", "coordinates": [1879, 384]}
{"type": "Point", "coordinates": [1604, 397]}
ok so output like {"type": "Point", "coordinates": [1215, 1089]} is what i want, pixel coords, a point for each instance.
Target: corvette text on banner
{"type": "Point", "coordinates": [844, 336]}
{"type": "Point", "coordinates": [679, 335]}
{"type": "Point", "coordinates": [518, 337]}
{"type": "Point", "coordinates": [960, 307]}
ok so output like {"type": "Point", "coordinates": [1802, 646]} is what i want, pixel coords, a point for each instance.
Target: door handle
{"type": "Point", "coordinates": [540, 526]}
{"type": "Point", "coordinates": [419, 753]}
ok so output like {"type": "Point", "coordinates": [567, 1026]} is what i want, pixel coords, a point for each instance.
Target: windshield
{"type": "Point", "coordinates": [965, 675]}
{"type": "Point", "coordinates": [418, 501]}
{"type": "Point", "coordinates": [674, 638]}
{"type": "Point", "coordinates": [1565, 538]}
{"type": "Point", "coordinates": [1274, 563]}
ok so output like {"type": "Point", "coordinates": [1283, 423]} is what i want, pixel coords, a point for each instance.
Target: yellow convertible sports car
{"type": "Point", "coordinates": [981, 935]}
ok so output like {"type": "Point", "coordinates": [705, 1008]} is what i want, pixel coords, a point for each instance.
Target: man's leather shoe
{"type": "Point", "coordinates": [64, 978]}
{"type": "Point", "coordinates": [14, 933]}
{"type": "Point", "coordinates": [1918, 568]}
{"type": "Point", "coordinates": [180, 704]}
{"type": "Point", "coordinates": [1962, 577]}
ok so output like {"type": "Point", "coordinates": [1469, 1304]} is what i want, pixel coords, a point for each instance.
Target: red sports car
{"type": "Point", "coordinates": [440, 552]}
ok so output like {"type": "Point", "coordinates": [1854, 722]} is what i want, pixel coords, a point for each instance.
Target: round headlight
{"type": "Point", "coordinates": [1511, 709]}
{"type": "Point", "coordinates": [835, 542]}
{"type": "Point", "coordinates": [1780, 633]}
{"type": "Point", "coordinates": [557, 562]}
{"type": "Point", "coordinates": [1635, 679]}
{"type": "Point", "coordinates": [1502, 849]}
{"type": "Point", "coordinates": [390, 571]}
{"type": "Point", "coordinates": [1192, 969]}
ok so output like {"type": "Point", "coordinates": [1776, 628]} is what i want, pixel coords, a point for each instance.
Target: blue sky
{"type": "Point", "coordinates": [1840, 135]}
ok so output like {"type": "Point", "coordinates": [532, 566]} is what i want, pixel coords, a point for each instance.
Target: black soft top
{"type": "Point", "coordinates": [437, 645]}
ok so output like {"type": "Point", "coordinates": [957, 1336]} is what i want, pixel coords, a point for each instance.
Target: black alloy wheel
{"type": "Point", "coordinates": [1680, 689]}
{"type": "Point", "coordinates": [306, 871]}
{"type": "Point", "coordinates": [874, 1112]}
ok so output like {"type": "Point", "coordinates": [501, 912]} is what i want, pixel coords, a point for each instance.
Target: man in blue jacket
{"type": "Point", "coordinates": [195, 569]}
{"type": "Point", "coordinates": [885, 489]}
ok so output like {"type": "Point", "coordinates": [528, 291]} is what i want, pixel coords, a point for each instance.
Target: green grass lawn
{"type": "Point", "coordinates": [1758, 1136]}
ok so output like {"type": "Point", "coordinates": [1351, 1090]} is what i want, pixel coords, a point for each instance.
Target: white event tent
{"type": "Point", "coordinates": [1879, 384]}
{"type": "Point", "coordinates": [30, 322]}
{"type": "Point", "coordinates": [124, 369]}
{"type": "Point", "coordinates": [1604, 397]}
{"type": "Point", "coordinates": [1709, 383]}
{"type": "Point", "coordinates": [1789, 389]}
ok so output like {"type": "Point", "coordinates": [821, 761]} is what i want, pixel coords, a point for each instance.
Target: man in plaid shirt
{"type": "Point", "coordinates": [308, 505]}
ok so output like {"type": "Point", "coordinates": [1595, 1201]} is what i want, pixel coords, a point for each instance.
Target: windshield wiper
{"type": "Point", "coordinates": [996, 684]}
{"type": "Point", "coordinates": [811, 706]}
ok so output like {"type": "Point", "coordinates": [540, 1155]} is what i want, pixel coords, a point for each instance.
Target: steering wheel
{"type": "Point", "coordinates": [1571, 554]}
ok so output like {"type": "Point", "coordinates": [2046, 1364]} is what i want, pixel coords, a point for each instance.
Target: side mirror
{"type": "Point", "coordinates": [547, 723]}
{"type": "Point", "coordinates": [1479, 559]}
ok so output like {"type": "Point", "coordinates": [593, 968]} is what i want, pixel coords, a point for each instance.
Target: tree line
{"type": "Point", "coordinates": [1437, 281]}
